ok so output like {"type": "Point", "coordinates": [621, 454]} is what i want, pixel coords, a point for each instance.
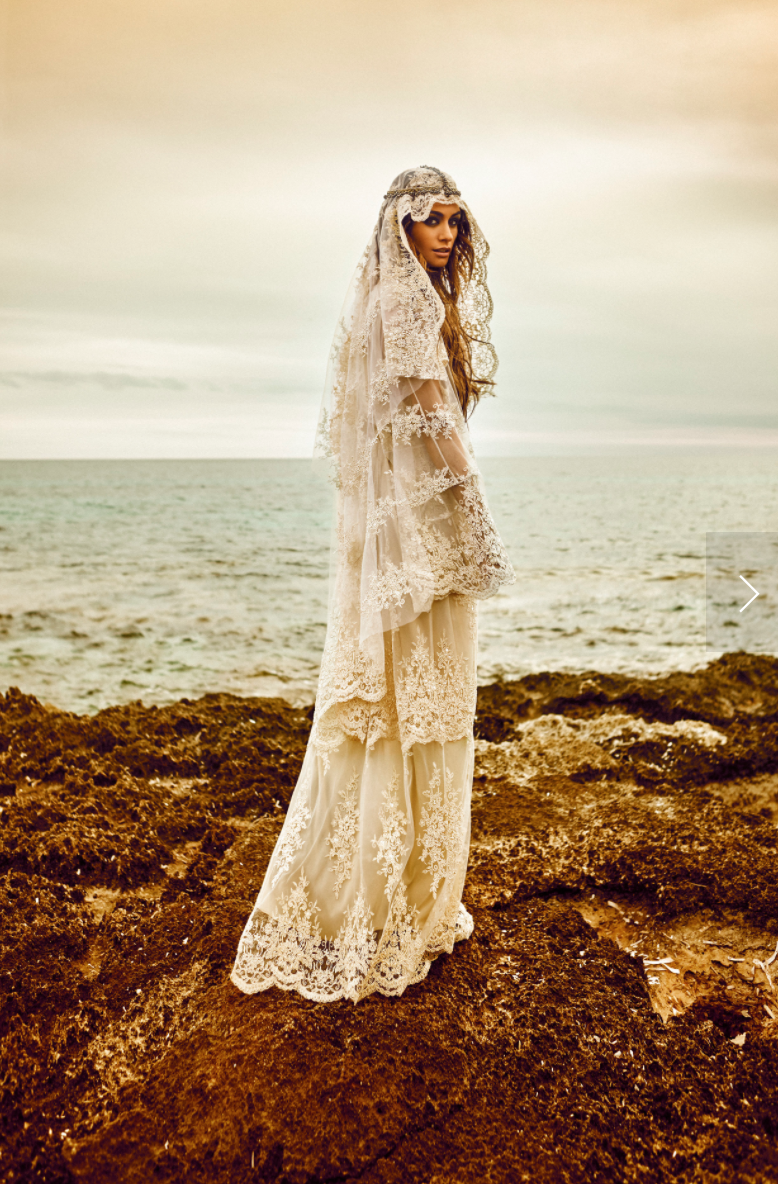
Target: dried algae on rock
{"type": "Point", "coordinates": [613, 1016]}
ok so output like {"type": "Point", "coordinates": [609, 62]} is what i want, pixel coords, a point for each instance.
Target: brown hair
{"type": "Point", "coordinates": [448, 282]}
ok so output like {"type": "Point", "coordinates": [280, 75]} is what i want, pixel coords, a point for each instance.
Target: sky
{"type": "Point", "coordinates": [188, 185]}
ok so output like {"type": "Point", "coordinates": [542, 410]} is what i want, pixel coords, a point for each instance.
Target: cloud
{"type": "Point", "coordinates": [192, 185]}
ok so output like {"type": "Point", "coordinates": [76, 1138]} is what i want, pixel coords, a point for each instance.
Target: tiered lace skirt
{"type": "Point", "coordinates": [365, 883]}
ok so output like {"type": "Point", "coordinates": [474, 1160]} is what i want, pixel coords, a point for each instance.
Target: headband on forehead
{"type": "Point", "coordinates": [445, 185]}
{"type": "Point", "coordinates": [443, 189]}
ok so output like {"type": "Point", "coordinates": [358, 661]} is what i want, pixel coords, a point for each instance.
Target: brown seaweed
{"type": "Point", "coordinates": [613, 1017]}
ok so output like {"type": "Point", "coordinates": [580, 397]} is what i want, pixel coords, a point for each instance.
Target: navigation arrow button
{"type": "Point", "coordinates": [753, 589]}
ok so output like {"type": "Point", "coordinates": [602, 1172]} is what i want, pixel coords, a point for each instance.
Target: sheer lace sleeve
{"type": "Point", "coordinates": [438, 429]}
{"type": "Point", "coordinates": [432, 523]}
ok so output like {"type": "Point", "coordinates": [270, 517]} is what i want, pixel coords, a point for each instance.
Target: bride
{"type": "Point", "coordinates": [365, 883]}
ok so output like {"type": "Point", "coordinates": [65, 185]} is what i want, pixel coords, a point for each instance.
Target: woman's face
{"type": "Point", "coordinates": [434, 238]}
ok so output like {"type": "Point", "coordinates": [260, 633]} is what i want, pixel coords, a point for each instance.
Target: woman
{"type": "Point", "coordinates": [365, 883]}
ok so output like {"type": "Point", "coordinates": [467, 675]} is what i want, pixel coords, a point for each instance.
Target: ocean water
{"type": "Point", "coordinates": [156, 580]}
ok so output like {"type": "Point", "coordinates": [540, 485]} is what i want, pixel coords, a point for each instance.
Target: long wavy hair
{"type": "Point", "coordinates": [448, 282]}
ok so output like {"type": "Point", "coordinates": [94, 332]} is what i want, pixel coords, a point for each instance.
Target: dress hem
{"type": "Point", "coordinates": [462, 932]}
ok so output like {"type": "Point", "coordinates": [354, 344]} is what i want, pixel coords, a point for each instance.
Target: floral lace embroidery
{"type": "Point", "coordinates": [393, 585]}
{"type": "Point", "coordinates": [380, 384]}
{"type": "Point", "coordinates": [291, 837]}
{"type": "Point", "coordinates": [467, 558]}
{"type": "Point", "coordinates": [352, 473]}
{"type": "Point", "coordinates": [440, 819]}
{"type": "Point", "coordinates": [347, 673]}
{"type": "Point", "coordinates": [483, 542]}
{"type": "Point", "coordinates": [391, 847]}
{"type": "Point", "coordinates": [373, 312]}
{"type": "Point", "coordinates": [472, 618]}
{"type": "Point", "coordinates": [445, 552]}
{"type": "Point", "coordinates": [298, 912]}
{"type": "Point", "coordinates": [457, 919]}
{"type": "Point", "coordinates": [415, 422]}
{"type": "Point", "coordinates": [430, 485]}
{"type": "Point", "coordinates": [355, 946]}
{"type": "Point", "coordinates": [385, 508]}
{"type": "Point", "coordinates": [284, 942]}
{"type": "Point", "coordinates": [427, 486]}
{"type": "Point", "coordinates": [343, 839]}
{"type": "Point", "coordinates": [288, 951]}
{"type": "Point", "coordinates": [401, 950]}
{"type": "Point", "coordinates": [359, 720]}
{"type": "Point", "coordinates": [435, 695]}
{"type": "Point", "coordinates": [430, 698]}
{"type": "Point", "coordinates": [356, 699]}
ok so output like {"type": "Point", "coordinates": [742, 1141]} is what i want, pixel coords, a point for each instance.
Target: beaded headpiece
{"type": "Point", "coordinates": [444, 186]}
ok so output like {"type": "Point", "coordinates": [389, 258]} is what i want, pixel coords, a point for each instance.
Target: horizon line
{"type": "Point", "coordinates": [566, 450]}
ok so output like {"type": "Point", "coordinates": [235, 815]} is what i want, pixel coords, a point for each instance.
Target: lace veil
{"type": "Point", "coordinates": [411, 520]}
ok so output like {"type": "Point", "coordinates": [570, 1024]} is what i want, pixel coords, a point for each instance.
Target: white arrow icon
{"type": "Point", "coordinates": [753, 589]}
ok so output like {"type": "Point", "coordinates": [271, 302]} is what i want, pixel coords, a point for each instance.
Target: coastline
{"type": "Point", "coordinates": [151, 580]}
{"type": "Point", "coordinates": [622, 880]}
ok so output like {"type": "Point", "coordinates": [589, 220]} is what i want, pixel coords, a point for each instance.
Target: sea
{"type": "Point", "coordinates": [158, 580]}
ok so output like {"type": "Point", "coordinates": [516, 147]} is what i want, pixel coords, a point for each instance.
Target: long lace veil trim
{"type": "Point", "coordinates": [411, 520]}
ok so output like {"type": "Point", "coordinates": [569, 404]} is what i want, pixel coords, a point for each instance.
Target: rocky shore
{"type": "Point", "coordinates": [613, 1018]}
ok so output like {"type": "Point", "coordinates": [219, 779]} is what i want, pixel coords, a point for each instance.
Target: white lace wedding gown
{"type": "Point", "coordinates": [365, 883]}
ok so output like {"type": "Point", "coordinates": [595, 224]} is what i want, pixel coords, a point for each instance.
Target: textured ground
{"type": "Point", "coordinates": [616, 822]}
